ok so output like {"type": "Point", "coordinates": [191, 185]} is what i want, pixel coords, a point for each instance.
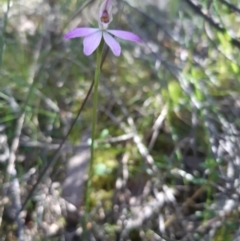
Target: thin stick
{"type": "Point", "coordinates": [55, 155]}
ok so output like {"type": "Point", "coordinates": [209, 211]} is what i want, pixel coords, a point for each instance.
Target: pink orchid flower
{"type": "Point", "coordinates": [93, 36]}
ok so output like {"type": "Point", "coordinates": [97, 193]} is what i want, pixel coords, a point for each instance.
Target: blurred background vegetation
{"type": "Point", "coordinates": [167, 163]}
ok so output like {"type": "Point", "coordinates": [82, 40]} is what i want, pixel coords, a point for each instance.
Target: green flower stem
{"type": "Point", "coordinates": [94, 121]}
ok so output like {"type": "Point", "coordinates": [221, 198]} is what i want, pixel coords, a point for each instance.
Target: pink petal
{"type": "Point", "coordinates": [80, 32]}
{"type": "Point", "coordinates": [112, 43]}
{"type": "Point", "coordinates": [125, 35]}
{"type": "Point", "coordinates": [91, 42]}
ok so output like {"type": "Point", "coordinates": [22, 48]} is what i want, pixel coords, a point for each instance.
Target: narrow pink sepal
{"type": "Point", "coordinates": [80, 32]}
{"type": "Point", "coordinates": [91, 42]}
{"type": "Point", "coordinates": [125, 35]}
{"type": "Point", "coordinates": [112, 43]}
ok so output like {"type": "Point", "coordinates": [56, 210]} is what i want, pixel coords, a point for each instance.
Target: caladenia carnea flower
{"type": "Point", "coordinates": [93, 36]}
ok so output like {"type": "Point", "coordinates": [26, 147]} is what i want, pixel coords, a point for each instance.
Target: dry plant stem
{"type": "Point", "coordinates": [12, 176]}
{"type": "Point", "coordinates": [55, 155]}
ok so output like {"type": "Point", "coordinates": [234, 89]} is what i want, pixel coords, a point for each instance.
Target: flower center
{"type": "Point", "coordinates": [105, 17]}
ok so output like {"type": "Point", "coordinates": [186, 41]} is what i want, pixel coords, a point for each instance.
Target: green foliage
{"type": "Point", "coordinates": [186, 63]}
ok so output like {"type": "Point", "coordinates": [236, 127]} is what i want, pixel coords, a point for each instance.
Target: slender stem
{"type": "Point", "coordinates": [94, 121]}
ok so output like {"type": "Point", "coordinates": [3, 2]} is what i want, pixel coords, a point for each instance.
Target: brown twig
{"type": "Point", "coordinates": [55, 155]}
